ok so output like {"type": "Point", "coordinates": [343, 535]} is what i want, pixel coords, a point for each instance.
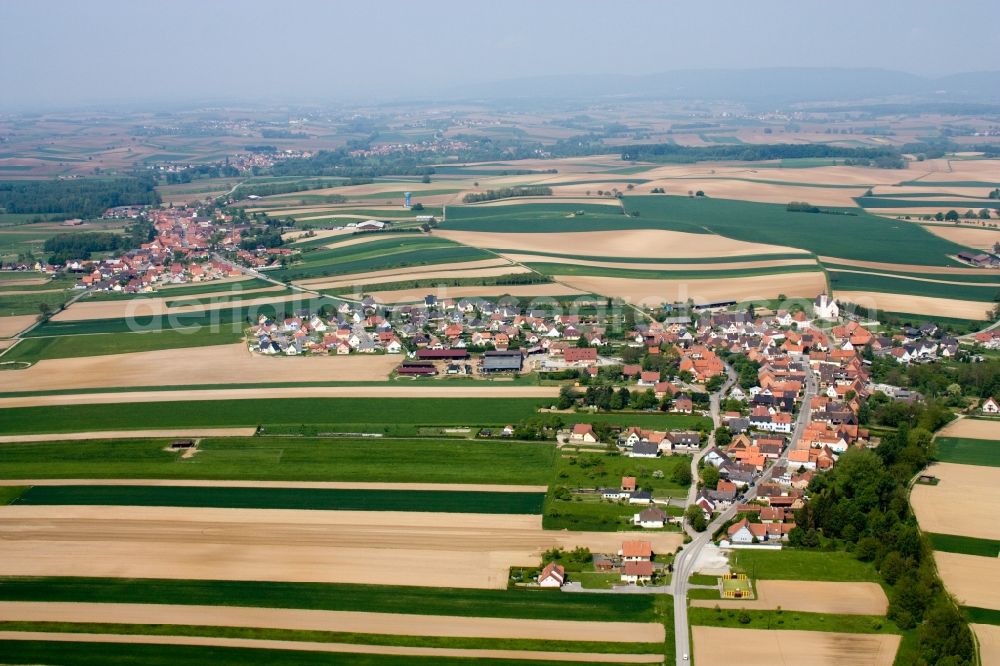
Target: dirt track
{"type": "Point", "coordinates": [928, 305]}
{"type": "Point", "coordinates": [714, 646]}
{"type": "Point", "coordinates": [403, 390]}
{"type": "Point", "coordinates": [351, 485]}
{"type": "Point", "coordinates": [973, 579]}
{"type": "Point", "coordinates": [963, 503]}
{"type": "Point", "coordinates": [218, 364]}
{"type": "Point", "coordinates": [647, 243]}
{"type": "Point", "coordinates": [810, 597]}
{"type": "Point", "coordinates": [378, 548]}
{"type": "Point", "coordinates": [339, 621]}
{"type": "Point", "coordinates": [650, 292]}
{"type": "Point", "coordinates": [332, 647]}
{"type": "Point", "coordinates": [130, 434]}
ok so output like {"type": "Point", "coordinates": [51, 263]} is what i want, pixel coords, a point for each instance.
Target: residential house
{"type": "Point", "coordinates": [651, 518]}
{"type": "Point", "coordinates": [583, 432]}
{"type": "Point", "coordinates": [553, 575]}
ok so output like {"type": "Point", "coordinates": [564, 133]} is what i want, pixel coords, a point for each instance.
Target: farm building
{"type": "Point", "coordinates": [502, 361]}
{"type": "Point", "coordinates": [580, 354]}
{"type": "Point", "coordinates": [442, 354]}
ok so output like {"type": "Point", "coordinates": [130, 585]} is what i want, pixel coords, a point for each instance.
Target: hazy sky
{"type": "Point", "coordinates": [81, 51]}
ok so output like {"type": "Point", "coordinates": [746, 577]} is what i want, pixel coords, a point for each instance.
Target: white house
{"type": "Point", "coordinates": [583, 432]}
{"type": "Point", "coordinates": [553, 575]}
{"type": "Point", "coordinates": [651, 518]}
{"type": "Point", "coordinates": [990, 406]}
{"type": "Point", "coordinates": [825, 307]}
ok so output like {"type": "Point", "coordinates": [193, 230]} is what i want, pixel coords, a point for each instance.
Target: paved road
{"type": "Point", "coordinates": [685, 560]}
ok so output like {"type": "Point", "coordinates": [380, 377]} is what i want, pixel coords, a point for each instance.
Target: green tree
{"type": "Point", "coordinates": [695, 518]}
{"type": "Point", "coordinates": [710, 476]}
{"type": "Point", "coordinates": [681, 475]}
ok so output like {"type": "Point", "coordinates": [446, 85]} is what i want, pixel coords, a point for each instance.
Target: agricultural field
{"type": "Point", "coordinates": [713, 647]}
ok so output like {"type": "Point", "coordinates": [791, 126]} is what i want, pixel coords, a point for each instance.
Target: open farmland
{"type": "Point", "coordinates": [973, 579]}
{"type": "Point", "coordinates": [254, 460]}
{"type": "Point", "coordinates": [527, 291]}
{"type": "Point", "coordinates": [983, 429]}
{"type": "Point", "coordinates": [962, 503]}
{"type": "Point", "coordinates": [809, 597]}
{"type": "Point", "coordinates": [925, 305]}
{"type": "Point", "coordinates": [334, 621]}
{"type": "Point", "coordinates": [713, 647]}
{"type": "Point", "coordinates": [625, 242]}
{"type": "Point", "coordinates": [327, 499]}
{"type": "Point", "coordinates": [988, 636]}
{"type": "Point", "coordinates": [218, 364]}
{"type": "Point", "coordinates": [399, 408]}
{"type": "Point", "coordinates": [437, 550]}
{"type": "Point", "coordinates": [704, 290]}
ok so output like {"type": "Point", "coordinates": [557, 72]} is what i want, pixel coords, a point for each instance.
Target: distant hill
{"type": "Point", "coordinates": [780, 84]}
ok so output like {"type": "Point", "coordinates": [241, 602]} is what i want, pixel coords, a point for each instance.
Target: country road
{"type": "Point", "coordinates": [685, 561]}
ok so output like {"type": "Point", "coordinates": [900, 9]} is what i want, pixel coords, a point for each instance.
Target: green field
{"type": "Point", "coordinates": [951, 543]}
{"type": "Point", "coordinates": [789, 620]}
{"type": "Point", "coordinates": [594, 470]}
{"type": "Point", "coordinates": [645, 420]}
{"type": "Point", "coordinates": [286, 459]}
{"type": "Point", "coordinates": [921, 202]}
{"type": "Point", "coordinates": [982, 615]}
{"type": "Point", "coordinates": [194, 289]}
{"type": "Point", "coordinates": [402, 250]}
{"type": "Point", "coordinates": [789, 564]}
{"type": "Point", "coordinates": [853, 281]}
{"type": "Point", "coordinates": [30, 302]}
{"type": "Point", "coordinates": [342, 414]}
{"type": "Point", "coordinates": [112, 654]}
{"type": "Point", "coordinates": [228, 317]}
{"type": "Point", "coordinates": [890, 241]}
{"type": "Point", "coordinates": [36, 349]}
{"type": "Point", "coordinates": [967, 451]}
{"type": "Point", "coordinates": [528, 604]}
{"type": "Point", "coordinates": [286, 498]}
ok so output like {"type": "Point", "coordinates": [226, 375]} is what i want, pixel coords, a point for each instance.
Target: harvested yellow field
{"type": "Point", "coordinates": [737, 265]}
{"type": "Point", "coordinates": [743, 190]}
{"type": "Point", "coordinates": [988, 636]}
{"type": "Point", "coordinates": [809, 597]}
{"type": "Point", "coordinates": [340, 621]}
{"type": "Point", "coordinates": [314, 234]}
{"type": "Point", "coordinates": [969, 236]}
{"type": "Point", "coordinates": [972, 428]}
{"type": "Point", "coordinates": [963, 503]}
{"type": "Point", "coordinates": [647, 243]}
{"type": "Point", "coordinates": [973, 579]}
{"type": "Point", "coordinates": [321, 283]}
{"type": "Point", "coordinates": [369, 547]}
{"type": "Point", "coordinates": [910, 268]}
{"type": "Point", "coordinates": [22, 282]}
{"type": "Point", "coordinates": [128, 434]}
{"type": "Point", "coordinates": [334, 648]}
{"type": "Point", "coordinates": [707, 290]}
{"type": "Point", "coordinates": [219, 364]}
{"type": "Point", "coordinates": [927, 305]}
{"type": "Point", "coordinates": [540, 291]}
{"type": "Point", "coordinates": [514, 201]}
{"type": "Point", "coordinates": [714, 646]}
{"type": "Point", "coordinates": [145, 307]}
{"type": "Point", "coordinates": [403, 390]}
{"type": "Point", "coordinates": [11, 326]}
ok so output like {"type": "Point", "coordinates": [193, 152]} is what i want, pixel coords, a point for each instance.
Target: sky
{"type": "Point", "coordinates": [78, 52]}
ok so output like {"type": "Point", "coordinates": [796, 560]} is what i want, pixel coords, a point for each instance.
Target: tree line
{"type": "Point", "coordinates": [507, 193]}
{"type": "Point", "coordinates": [79, 197]}
{"type": "Point", "coordinates": [862, 505]}
{"type": "Point", "coordinates": [669, 152]}
{"type": "Point", "coordinates": [79, 245]}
